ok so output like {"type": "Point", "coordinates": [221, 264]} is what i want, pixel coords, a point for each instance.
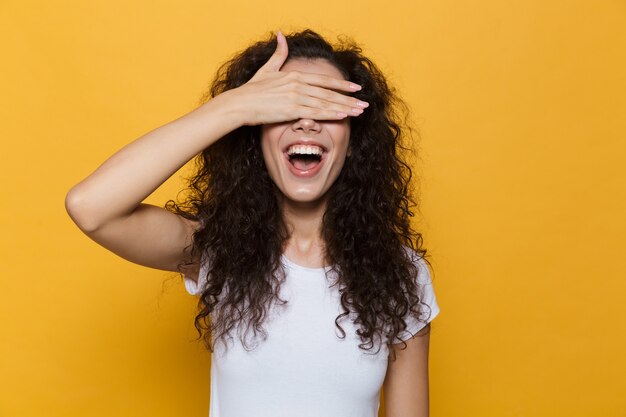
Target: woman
{"type": "Point", "coordinates": [296, 228]}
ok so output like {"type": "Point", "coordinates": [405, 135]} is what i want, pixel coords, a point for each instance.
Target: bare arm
{"type": "Point", "coordinates": [107, 206]}
{"type": "Point", "coordinates": [406, 383]}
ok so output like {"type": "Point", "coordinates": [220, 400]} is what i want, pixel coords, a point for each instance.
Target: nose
{"type": "Point", "coordinates": [306, 125]}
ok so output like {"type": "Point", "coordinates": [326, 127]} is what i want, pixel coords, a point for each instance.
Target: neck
{"type": "Point", "coordinates": [304, 222]}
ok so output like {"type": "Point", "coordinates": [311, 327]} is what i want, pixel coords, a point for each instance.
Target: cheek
{"type": "Point", "coordinates": [269, 137]}
{"type": "Point", "coordinates": [270, 134]}
{"type": "Point", "coordinates": [342, 137]}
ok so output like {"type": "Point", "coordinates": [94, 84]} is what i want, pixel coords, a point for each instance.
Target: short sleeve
{"type": "Point", "coordinates": [427, 297]}
{"type": "Point", "coordinates": [193, 287]}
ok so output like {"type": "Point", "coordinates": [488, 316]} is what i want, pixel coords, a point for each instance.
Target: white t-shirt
{"type": "Point", "coordinates": [303, 368]}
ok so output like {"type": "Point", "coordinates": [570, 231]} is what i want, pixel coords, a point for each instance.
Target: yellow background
{"type": "Point", "coordinates": [522, 112]}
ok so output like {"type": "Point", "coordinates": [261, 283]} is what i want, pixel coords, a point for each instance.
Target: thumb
{"type": "Point", "coordinates": [278, 57]}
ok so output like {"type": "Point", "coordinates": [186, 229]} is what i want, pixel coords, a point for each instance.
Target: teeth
{"type": "Point", "coordinates": [305, 149]}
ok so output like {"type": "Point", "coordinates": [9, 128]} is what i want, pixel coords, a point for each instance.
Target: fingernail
{"type": "Point", "coordinates": [355, 86]}
{"type": "Point", "coordinates": [357, 111]}
{"type": "Point", "coordinates": [362, 103]}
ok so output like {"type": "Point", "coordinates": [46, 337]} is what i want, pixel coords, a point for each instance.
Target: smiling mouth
{"type": "Point", "coordinates": [305, 166]}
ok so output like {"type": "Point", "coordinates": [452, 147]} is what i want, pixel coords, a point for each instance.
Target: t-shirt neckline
{"type": "Point", "coordinates": [304, 268]}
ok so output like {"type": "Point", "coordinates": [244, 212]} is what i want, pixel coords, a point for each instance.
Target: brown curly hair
{"type": "Point", "coordinates": [366, 227]}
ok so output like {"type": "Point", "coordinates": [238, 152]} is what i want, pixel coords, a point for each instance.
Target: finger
{"type": "Point", "coordinates": [317, 103]}
{"type": "Point", "coordinates": [332, 96]}
{"type": "Point", "coordinates": [304, 112]}
{"type": "Point", "coordinates": [278, 57]}
{"type": "Point", "coordinates": [326, 81]}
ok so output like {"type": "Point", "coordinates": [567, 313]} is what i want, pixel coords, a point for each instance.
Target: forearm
{"type": "Point", "coordinates": [130, 175]}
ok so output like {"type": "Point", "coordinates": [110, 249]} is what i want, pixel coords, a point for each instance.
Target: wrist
{"type": "Point", "coordinates": [226, 106]}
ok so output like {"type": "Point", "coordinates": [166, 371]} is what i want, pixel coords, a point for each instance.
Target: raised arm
{"type": "Point", "coordinates": [107, 205]}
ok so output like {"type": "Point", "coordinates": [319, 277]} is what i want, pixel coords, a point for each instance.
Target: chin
{"type": "Point", "coordinates": [304, 197]}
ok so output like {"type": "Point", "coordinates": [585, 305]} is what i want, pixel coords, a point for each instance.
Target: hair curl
{"type": "Point", "coordinates": [366, 227]}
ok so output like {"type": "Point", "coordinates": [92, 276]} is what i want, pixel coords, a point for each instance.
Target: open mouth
{"type": "Point", "coordinates": [304, 162]}
{"type": "Point", "coordinates": [305, 165]}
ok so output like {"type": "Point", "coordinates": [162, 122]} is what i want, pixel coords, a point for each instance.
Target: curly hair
{"type": "Point", "coordinates": [366, 227]}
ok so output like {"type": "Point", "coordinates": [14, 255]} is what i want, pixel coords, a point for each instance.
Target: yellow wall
{"type": "Point", "coordinates": [522, 111]}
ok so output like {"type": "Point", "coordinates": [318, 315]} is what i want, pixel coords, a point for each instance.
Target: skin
{"type": "Point", "coordinates": [405, 388]}
{"type": "Point", "coordinates": [304, 199]}
{"type": "Point", "coordinates": [108, 207]}
{"type": "Point", "coordinates": [108, 204]}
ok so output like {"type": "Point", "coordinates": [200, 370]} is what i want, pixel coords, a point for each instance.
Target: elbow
{"type": "Point", "coordinates": [75, 206]}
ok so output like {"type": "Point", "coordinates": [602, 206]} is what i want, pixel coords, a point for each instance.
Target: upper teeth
{"type": "Point", "coordinates": [304, 149]}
